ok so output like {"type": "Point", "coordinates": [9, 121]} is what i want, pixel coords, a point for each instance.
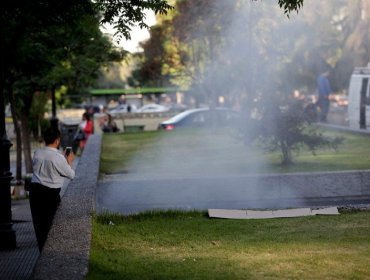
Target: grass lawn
{"type": "Point", "coordinates": [189, 152]}
{"type": "Point", "coordinates": [178, 245]}
{"type": "Point", "coordinates": [189, 245]}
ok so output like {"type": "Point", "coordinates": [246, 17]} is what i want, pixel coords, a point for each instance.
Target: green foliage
{"type": "Point", "coordinates": [286, 127]}
{"type": "Point", "coordinates": [153, 58]}
{"type": "Point", "coordinates": [207, 50]}
{"type": "Point", "coordinates": [80, 50]}
{"type": "Point", "coordinates": [125, 14]}
{"type": "Point", "coordinates": [37, 121]}
{"type": "Point", "coordinates": [45, 46]}
{"type": "Point", "coordinates": [290, 5]}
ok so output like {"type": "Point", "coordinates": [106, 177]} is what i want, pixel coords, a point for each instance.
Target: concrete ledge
{"type": "Point", "coordinates": [343, 128]}
{"type": "Point", "coordinates": [67, 249]}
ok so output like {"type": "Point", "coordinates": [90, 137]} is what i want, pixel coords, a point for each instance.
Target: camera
{"type": "Point", "coordinates": [68, 151]}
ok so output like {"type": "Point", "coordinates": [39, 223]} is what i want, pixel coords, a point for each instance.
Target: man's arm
{"type": "Point", "coordinates": [64, 166]}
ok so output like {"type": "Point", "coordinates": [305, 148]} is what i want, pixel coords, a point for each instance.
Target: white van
{"type": "Point", "coordinates": [359, 98]}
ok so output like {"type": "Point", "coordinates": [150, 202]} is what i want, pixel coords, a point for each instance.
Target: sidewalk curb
{"type": "Point", "coordinates": [67, 249]}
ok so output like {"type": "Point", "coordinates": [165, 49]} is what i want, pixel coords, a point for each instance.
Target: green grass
{"type": "Point", "coordinates": [118, 149]}
{"type": "Point", "coordinates": [188, 245]}
{"type": "Point", "coordinates": [193, 152]}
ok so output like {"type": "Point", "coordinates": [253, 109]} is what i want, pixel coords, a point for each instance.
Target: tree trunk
{"type": "Point", "coordinates": [18, 172]}
{"type": "Point", "coordinates": [287, 155]}
{"type": "Point", "coordinates": [26, 143]}
{"type": "Point", "coordinates": [7, 234]}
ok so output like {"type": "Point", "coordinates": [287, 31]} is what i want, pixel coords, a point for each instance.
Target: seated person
{"type": "Point", "coordinates": [110, 125]}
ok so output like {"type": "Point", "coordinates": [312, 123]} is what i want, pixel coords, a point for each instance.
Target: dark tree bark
{"type": "Point", "coordinates": [26, 140]}
{"type": "Point", "coordinates": [18, 172]}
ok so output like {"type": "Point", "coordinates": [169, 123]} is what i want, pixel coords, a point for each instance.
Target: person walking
{"type": "Point", "coordinates": [87, 127]}
{"type": "Point", "coordinates": [50, 168]}
{"type": "Point", "coordinates": [324, 91]}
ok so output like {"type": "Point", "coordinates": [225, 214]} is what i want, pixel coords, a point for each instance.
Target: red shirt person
{"type": "Point", "coordinates": [87, 126]}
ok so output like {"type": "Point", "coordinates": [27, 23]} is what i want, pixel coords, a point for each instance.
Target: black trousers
{"type": "Point", "coordinates": [44, 203]}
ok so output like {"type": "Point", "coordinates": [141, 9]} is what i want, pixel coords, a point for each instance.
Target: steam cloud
{"type": "Point", "coordinates": [243, 74]}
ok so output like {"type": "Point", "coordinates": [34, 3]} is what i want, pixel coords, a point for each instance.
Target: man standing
{"type": "Point", "coordinates": [324, 89]}
{"type": "Point", "coordinates": [50, 167]}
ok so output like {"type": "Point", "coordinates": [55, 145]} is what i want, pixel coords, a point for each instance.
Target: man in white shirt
{"type": "Point", "coordinates": [50, 168]}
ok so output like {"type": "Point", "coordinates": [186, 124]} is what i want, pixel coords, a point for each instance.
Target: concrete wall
{"type": "Point", "coordinates": [150, 121]}
{"type": "Point", "coordinates": [67, 249]}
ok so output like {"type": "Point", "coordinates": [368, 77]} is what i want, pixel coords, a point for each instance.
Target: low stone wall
{"type": "Point", "coordinates": [150, 121]}
{"type": "Point", "coordinates": [67, 249]}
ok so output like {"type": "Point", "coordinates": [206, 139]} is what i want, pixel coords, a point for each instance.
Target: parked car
{"type": "Point", "coordinates": [122, 108]}
{"type": "Point", "coordinates": [201, 117]}
{"type": "Point", "coordinates": [175, 107]}
{"type": "Point", "coordinates": [151, 108]}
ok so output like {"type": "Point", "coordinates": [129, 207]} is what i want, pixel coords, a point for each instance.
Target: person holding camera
{"type": "Point", "coordinates": [50, 168]}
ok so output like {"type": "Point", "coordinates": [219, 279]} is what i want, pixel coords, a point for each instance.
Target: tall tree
{"type": "Point", "coordinates": [19, 22]}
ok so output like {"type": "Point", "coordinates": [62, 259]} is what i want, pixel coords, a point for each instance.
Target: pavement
{"type": "Point", "coordinates": [20, 262]}
{"type": "Point", "coordinates": [118, 194]}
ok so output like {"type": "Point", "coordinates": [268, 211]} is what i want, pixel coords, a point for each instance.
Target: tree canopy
{"type": "Point", "coordinates": [200, 33]}
{"type": "Point", "coordinates": [49, 45]}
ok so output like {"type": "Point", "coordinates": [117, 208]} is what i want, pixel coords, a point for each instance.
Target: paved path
{"type": "Point", "coordinates": [119, 194]}
{"type": "Point", "coordinates": [20, 262]}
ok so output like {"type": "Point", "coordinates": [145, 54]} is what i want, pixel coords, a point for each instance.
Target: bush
{"type": "Point", "coordinates": [287, 128]}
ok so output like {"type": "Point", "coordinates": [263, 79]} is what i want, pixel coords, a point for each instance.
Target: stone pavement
{"type": "Point", "coordinates": [19, 263]}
